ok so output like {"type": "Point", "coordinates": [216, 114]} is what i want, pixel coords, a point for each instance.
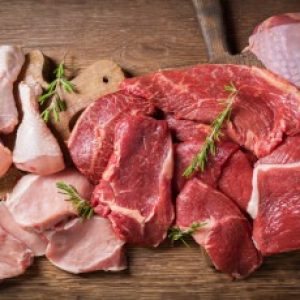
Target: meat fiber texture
{"type": "Point", "coordinates": [265, 108]}
{"type": "Point", "coordinates": [135, 192]}
{"type": "Point", "coordinates": [225, 234]}
{"type": "Point", "coordinates": [36, 203]}
{"type": "Point", "coordinates": [86, 246]}
{"type": "Point", "coordinates": [275, 199]}
{"type": "Point", "coordinates": [91, 141]}
{"type": "Point", "coordinates": [276, 42]}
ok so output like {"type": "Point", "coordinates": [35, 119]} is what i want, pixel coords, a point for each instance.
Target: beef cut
{"type": "Point", "coordinates": [91, 141]}
{"type": "Point", "coordinates": [135, 192]}
{"type": "Point", "coordinates": [276, 42]}
{"type": "Point", "coordinates": [226, 233]}
{"type": "Point", "coordinates": [86, 246]}
{"type": "Point", "coordinates": [265, 108]}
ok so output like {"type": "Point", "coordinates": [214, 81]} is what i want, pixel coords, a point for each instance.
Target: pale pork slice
{"type": "Point", "coordinates": [225, 233]}
{"type": "Point", "coordinates": [86, 246]}
{"type": "Point", "coordinates": [135, 192]}
{"type": "Point", "coordinates": [5, 159]}
{"type": "Point", "coordinates": [265, 108]}
{"type": "Point", "coordinates": [36, 203]}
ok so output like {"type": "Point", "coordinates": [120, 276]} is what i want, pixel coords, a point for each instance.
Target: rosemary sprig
{"type": "Point", "coordinates": [176, 234]}
{"type": "Point", "coordinates": [82, 206]}
{"type": "Point", "coordinates": [209, 146]}
{"type": "Point", "coordinates": [57, 104]}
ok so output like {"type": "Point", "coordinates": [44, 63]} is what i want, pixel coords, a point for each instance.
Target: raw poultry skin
{"type": "Point", "coordinates": [5, 159]}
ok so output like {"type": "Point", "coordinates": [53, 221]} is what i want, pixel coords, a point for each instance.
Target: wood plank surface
{"type": "Point", "coordinates": [142, 36]}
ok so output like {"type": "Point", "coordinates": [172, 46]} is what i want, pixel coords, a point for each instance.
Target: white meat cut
{"type": "Point", "coordinates": [5, 159]}
{"type": "Point", "coordinates": [85, 246]}
{"type": "Point", "coordinates": [11, 61]}
{"type": "Point", "coordinates": [36, 149]}
{"type": "Point", "coordinates": [36, 204]}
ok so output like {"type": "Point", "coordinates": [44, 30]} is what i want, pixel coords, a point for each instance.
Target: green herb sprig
{"type": "Point", "coordinates": [176, 234]}
{"type": "Point", "coordinates": [209, 147]}
{"type": "Point", "coordinates": [82, 206]}
{"type": "Point", "coordinates": [57, 104]}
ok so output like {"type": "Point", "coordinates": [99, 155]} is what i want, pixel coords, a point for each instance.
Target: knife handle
{"type": "Point", "coordinates": [210, 19]}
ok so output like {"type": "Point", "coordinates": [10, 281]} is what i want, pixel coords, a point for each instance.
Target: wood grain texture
{"type": "Point", "coordinates": [142, 36]}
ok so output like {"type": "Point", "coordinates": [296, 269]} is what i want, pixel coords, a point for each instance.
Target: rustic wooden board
{"type": "Point", "coordinates": [141, 36]}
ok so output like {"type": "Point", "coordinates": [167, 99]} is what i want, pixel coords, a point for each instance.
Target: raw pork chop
{"type": "Point", "coordinates": [91, 141]}
{"type": "Point", "coordinates": [135, 193]}
{"type": "Point", "coordinates": [275, 200]}
{"type": "Point", "coordinates": [11, 61]}
{"type": "Point", "coordinates": [36, 204]}
{"type": "Point", "coordinates": [5, 159]}
{"type": "Point", "coordinates": [226, 235]}
{"type": "Point", "coordinates": [36, 149]}
{"type": "Point", "coordinates": [265, 108]}
{"type": "Point", "coordinates": [276, 42]}
{"type": "Point", "coordinates": [34, 241]}
{"type": "Point", "coordinates": [236, 179]}
{"type": "Point", "coordinates": [15, 256]}
{"type": "Point", "coordinates": [185, 152]}
{"type": "Point", "coordinates": [86, 246]}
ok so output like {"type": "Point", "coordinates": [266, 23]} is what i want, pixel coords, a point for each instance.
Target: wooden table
{"type": "Point", "coordinates": [142, 36]}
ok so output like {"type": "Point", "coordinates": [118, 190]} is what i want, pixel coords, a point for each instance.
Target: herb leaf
{"type": "Point", "coordinates": [209, 146]}
{"type": "Point", "coordinates": [176, 234]}
{"type": "Point", "coordinates": [82, 206]}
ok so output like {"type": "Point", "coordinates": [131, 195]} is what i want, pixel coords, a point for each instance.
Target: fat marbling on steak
{"type": "Point", "coordinates": [91, 141]}
{"type": "Point", "coordinates": [265, 108]}
{"type": "Point", "coordinates": [135, 192]}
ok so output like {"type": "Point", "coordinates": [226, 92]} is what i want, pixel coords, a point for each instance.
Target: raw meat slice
{"type": "Point", "coordinates": [185, 130]}
{"type": "Point", "coordinates": [86, 246]}
{"type": "Point", "coordinates": [184, 154]}
{"type": "Point", "coordinates": [135, 193]}
{"type": "Point", "coordinates": [226, 234]}
{"type": "Point", "coordinates": [37, 243]}
{"type": "Point", "coordinates": [265, 108]}
{"type": "Point", "coordinates": [236, 179]}
{"type": "Point", "coordinates": [15, 256]}
{"type": "Point", "coordinates": [5, 159]}
{"type": "Point", "coordinates": [36, 204]}
{"type": "Point", "coordinates": [36, 149]}
{"type": "Point", "coordinates": [275, 207]}
{"type": "Point", "coordinates": [11, 61]}
{"type": "Point", "coordinates": [91, 141]}
{"type": "Point", "coordinates": [276, 42]}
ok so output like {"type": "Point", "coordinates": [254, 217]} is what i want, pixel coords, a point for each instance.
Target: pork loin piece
{"type": "Point", "coordinates": [265, 108]}
{"type": "Point", "coordinates": [276, 42]}
{"type": "Point", "coordinates": [226, 234]}
{"type": "Point", "coordinates": [37, 243]}
{"type": "Point", "coordinates": [185, 130]}
{"type": "Point", "coordinates": [36, 149]}
{"type": "Point", "coordinates": [135, 193]}
{"type": "Point", "coordinates": [15, 256]}
{"type": "Point", "coordinates": [5, 159]}
{"type": "Point", "coordinates": [91, 141]}
{"type": "Point", "coordinates": [185, 152]}
{"type": "Point", "coordinates": [275, 200]}
{"type": "Point", "coordinates": [36, 203]}
{"type": "Point", "coordinates": [236, 179]}
{"type": "Point", "coordinates": [86, 246]}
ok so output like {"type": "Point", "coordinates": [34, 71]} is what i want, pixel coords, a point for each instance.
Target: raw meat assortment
{"type": "Point", "coordinates": [11, 61]}
{"type": "Point", "coordinates": [135, 192]}
{"type": "Point", "coordinates": [86, 246]}
{"type": "Point", "coordinates": [236, 179]}
{"type": "Point", "coordinates": [185, 152]}
{"type": "Point", "coordinates": [276, 42]}
{"type": "Point", "coordinates": [36, 204]}
{"type": "Point", "coordinates": [226, 233]}
{"type": "Point", "coordinates": [36, 149]}
{"type": "Point", "coordinates": [91, 141]}
{"type": "Point", "coordinates": [265, 108]}
{"type": "Point", "coordinates": [5, 159]}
